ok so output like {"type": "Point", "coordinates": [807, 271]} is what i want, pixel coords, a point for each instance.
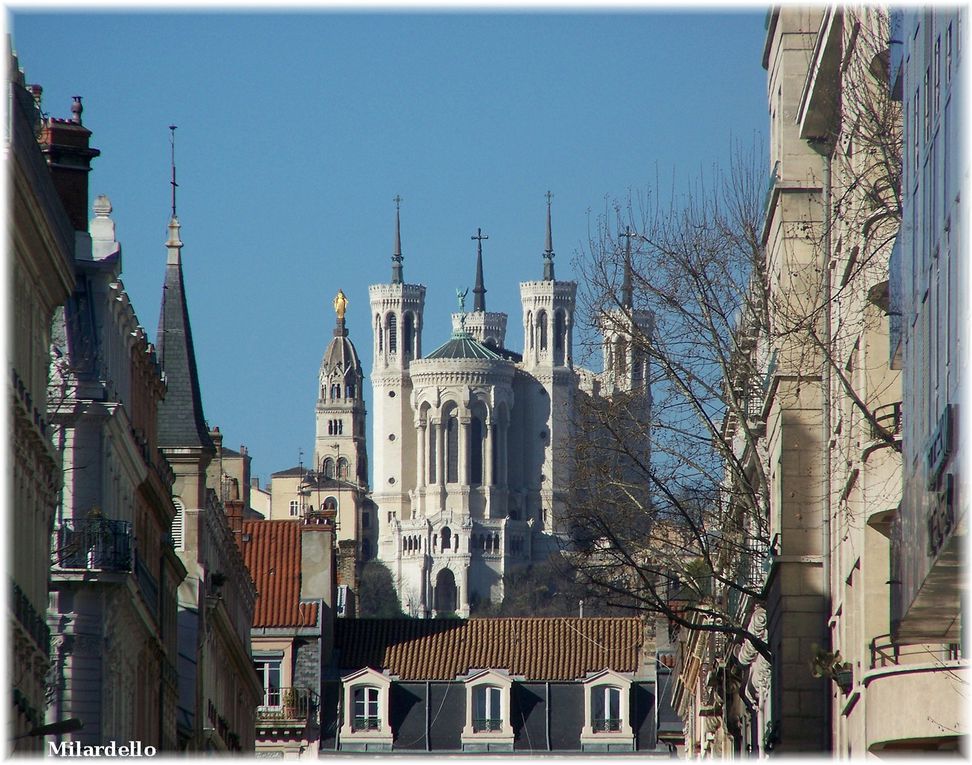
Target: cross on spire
{"type": "Point", "coordinates": [627, 291]}
{"type": "Point", "coordinates": [479, 291]}
{"type": "Point", "coordinates": [172, 129]}
{"type": "Point", "coordinates": [397, 254]}
{"type": "Point", "coordinates": [548, 253]}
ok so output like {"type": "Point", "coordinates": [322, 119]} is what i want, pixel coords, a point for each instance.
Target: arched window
{"type": "Point", "coordinates": [487, 708]}
{"type": "Point", "coordinates": [342, 468]}
{"type": "Point", "coordinates": [605, 708]}
{"type": "Point", "coordinates": [542, 328]}
{"type": "Point", "coordinates": [529, 323]}
{"type": "Point", "coordinates": [328, 468]}
{"type": "Point", "coordinates": [335, 391]}
{"type": "Point", "coordinates": [392, 323]}
{"type": "Point", "coordinates": [446, 538]}
{"type": "Point", "coordinates": [444, 595]}
{"type": "Point", "coordinates": [349, 390]}
{"type": "Point", "coordinates": [452, 449]}
{"type": "Point", "coordinates": [379, 333]}
{"type": "Point", "coordinates": [620, 358]}
{"type": "Point", "coordinates": [432, 454]}
{"type": "Point", "coordinates": [330, 504]}
{"type": "Point", "coordinates": [560, 331]}
{"type": "Point", "coordinates": [367, 710]}
{"type": "Point", "coordinates": [476, 451]}
{"type": "Point", "coordinates": [178, 524]}
{"type": "Point", "coordinates": [408, 335]}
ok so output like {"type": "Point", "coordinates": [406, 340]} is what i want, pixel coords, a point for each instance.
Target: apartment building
{"type": "Point", "coordinates": [41, 249]}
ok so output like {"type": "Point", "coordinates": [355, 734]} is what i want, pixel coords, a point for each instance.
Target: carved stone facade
{"type": "Point", "coordinates": [472, 460]}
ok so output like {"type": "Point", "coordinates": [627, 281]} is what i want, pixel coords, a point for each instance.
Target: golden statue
{"type": "Point", "coordinates": [340, 304]}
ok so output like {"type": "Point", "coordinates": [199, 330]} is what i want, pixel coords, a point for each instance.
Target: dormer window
{"type": "Point", "coordinates": [607, 713]}
{"type": "Point", "coordinates": [488, 722]}
{"type": "Point", "coordinates": [365, 724]}
{"type": "Point", "coordinates": [605, 708]}
{"type": "Point", "coordinates": [487, 708]}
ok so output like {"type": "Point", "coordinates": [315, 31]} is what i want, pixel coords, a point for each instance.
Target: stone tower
{"type": "Point", "coordinates": [625, 365]}
{"type": "Point", "coordinates": [396, 311]}
{"type": "Point", "coordinates": [548, 321]}
{"type": "Point", "coordinates": [339, 448]}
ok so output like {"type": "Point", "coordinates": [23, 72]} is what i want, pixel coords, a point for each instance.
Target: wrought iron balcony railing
{"type": "Point", "coordinates": [283, 705]}
{"type": "Point", "coordinates": [93, 544]}
{"type": "Point", "coordinates": [607, 725]}
{"type": "Point", "coordinates": [888, 417]}
{"type": "Point", "coordinates": [886, 653]}
{"type": "Point", "coordinates": [483, 724]}
{"type": "Point", "coordinates": [366, 723]}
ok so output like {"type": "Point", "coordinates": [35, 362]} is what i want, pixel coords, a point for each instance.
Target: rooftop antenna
{"type": "Point", "coordinates": [172, 129]}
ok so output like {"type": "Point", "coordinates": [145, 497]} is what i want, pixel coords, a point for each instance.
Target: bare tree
{"type": "Point", "coordinates": [665, 528]}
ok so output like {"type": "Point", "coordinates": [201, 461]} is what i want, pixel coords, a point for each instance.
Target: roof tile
{"type": "Point", "coordinates": [271, 551]}
{"type": "Point", "coordinates": [536, 648]}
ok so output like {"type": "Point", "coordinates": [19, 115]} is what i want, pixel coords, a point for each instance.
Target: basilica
{"type": "Point", "coordinates": [471, 442]}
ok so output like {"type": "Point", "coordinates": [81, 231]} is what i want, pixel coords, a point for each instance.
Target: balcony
{"type": "Point", "coordinates": [607, 725]}
{"type": "Point", "coordinates": [286, 707]}
{"type": "Point", "coordinates": [93, 544]}
{"type": "Point", "coordinates": [899, 672]}
{"type": "Point", "coordinates": [483, 724]}
{"type": "Point", "coordinates": [887, 419]}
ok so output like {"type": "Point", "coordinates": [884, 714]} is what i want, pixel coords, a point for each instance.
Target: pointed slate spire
{"type": "Point", "coordinates": [548, 253]}
{"type": "Point", "coordinates": [627, 291]}
{"type": "Point", "coordinates": [479, 291]}
{"type": "Point", "coordinates": [181, 420]}
{"type": "Point", "coordinates": [397, 254]}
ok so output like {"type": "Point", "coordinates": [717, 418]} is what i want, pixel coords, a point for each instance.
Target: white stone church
{"type": "Point", "coordinates": [472, 442]}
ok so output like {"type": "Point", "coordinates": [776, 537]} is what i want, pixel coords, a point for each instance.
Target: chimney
{"type": "Point", "coordinates": [317, 564]}
{"type": "Point", "coordinates": [65, 146]}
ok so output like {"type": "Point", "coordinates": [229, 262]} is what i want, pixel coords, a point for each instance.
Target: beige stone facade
{"type": "Point", "coordinates": [40, 247]}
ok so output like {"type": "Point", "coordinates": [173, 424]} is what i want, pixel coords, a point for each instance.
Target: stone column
{"type": "Point", "coordinates": [488, 453]}
{"type": "Point", "coordinates": [421, 466]}
{"type": "Point", "coordinates": [464, 422]}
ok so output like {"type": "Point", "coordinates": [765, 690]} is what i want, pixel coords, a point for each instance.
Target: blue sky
{"type": "Point", "coordinates": [295, 131]}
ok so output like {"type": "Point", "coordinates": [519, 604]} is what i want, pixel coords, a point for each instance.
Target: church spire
{"type": "Point", "coordinates": [627, 291]}
{"type": "Point", "coordinates": [479, 291]}
{"type": "Point", "coordinates": [397, 254]}
{"type": "Point", "coordinates": [548, 253]}
{"type": "Point", "coordinates": [180, 418]}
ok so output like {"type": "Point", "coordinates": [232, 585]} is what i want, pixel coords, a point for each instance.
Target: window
{"type": "Point", "coordinates": [452, 449]}
{"type": "Point", "coordinates": [178, 523]}
{"type": "Point", "coordinates": [392, 333]}
{"type": "Point", "coordinates": [408, 335]}
{"type": "Point", "coordinates": [605, 708]}
{"type": "Point", "coordinates": [432, 455]}
{"type": "Point", "coordinates": [330, 504]}
{"type": "Point", "coordinates": [542, 326]}
{"type": "Point", "coordinates": [268, 671]}
{"type": "Point", "coordinates": [349, 390]}
{"type": "Point", "coordinates": [294, 508]}
{"type": "Point", "coordinates": [365, 721]}
{"type": "Point", "coordinates": [476, 451]}
{"type": "Point", "coordinates": [607, 713]}
{"type": "Point", "coordinates": [488, 726]}
{"type": "Point", "coordinates": [446, 537]}
{"type": "Point", "coordinates": [342, 468]}
{"type": "Point", "coordinates": [487, 708]}
{"type": "Point", "coordinates": [328, 468]}
{"type": "Point", "coordinates": [367, 710]}
{"type": "Point", "coordinates": [379, 334]}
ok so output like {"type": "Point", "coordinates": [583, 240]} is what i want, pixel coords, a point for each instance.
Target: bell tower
{"type": "Point", "coordinates": [339, 448]}
{"type": "Point", "coordinates": [396, 314]}
{"type": "Point", "coordinates": [548, 322]}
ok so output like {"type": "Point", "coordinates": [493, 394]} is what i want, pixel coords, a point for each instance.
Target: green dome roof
{"type": "Point", "coordinates": [462, 346]}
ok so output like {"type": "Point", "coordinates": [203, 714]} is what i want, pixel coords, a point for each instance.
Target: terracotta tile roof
{"type": "Point", "coordinates": [537, 648]}
{"type": "Point", "coordinates": [272, 555]}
